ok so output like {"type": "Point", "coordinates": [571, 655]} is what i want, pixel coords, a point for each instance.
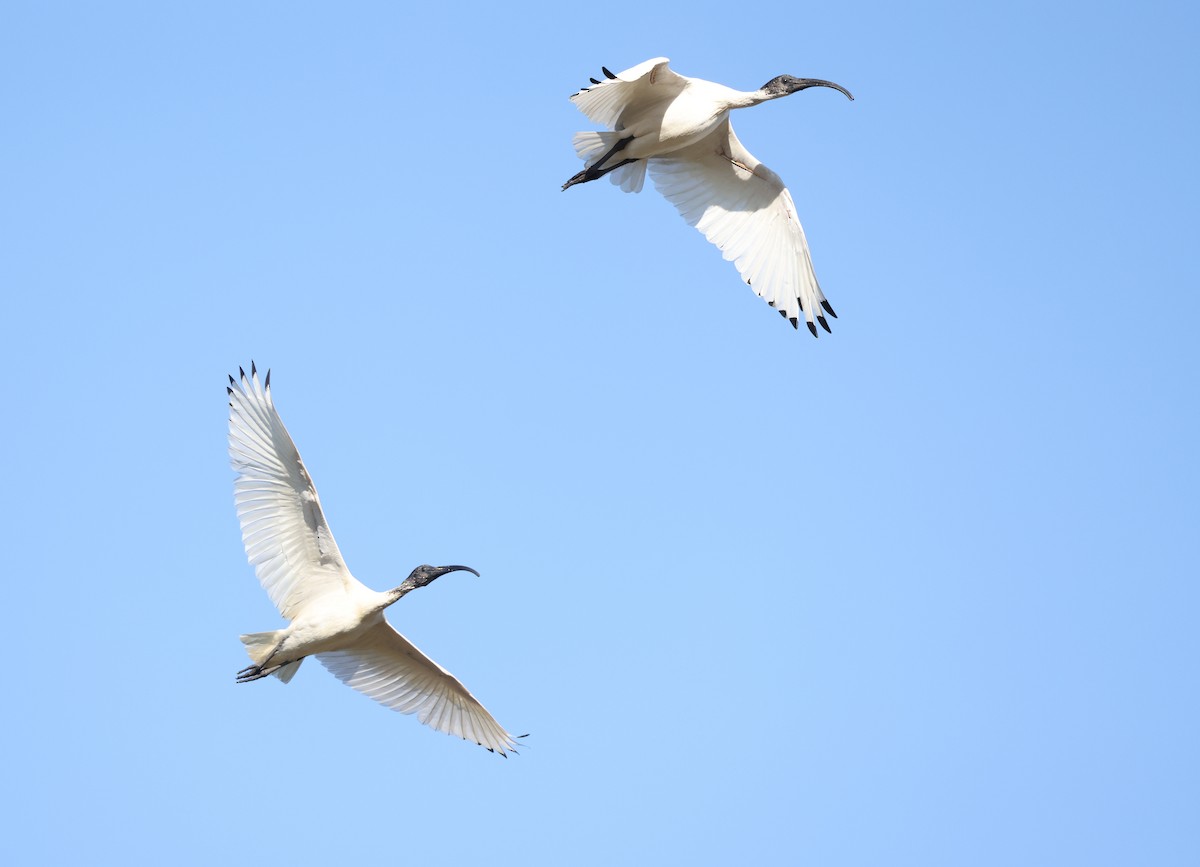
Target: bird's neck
{"type": "Point", "coordinates": [747, 98]}
{"type": "Point", "coordinates": [390, 597]}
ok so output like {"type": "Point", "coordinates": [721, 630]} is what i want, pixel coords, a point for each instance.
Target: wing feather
{"type": "Point", "coordinates": [648, 82]}
{"type": "Point", "coordinates": [743, 208]}
{"type": "Point", "coordinates": [287, 538]}
{"type": "Point", "coordinates": [387, 667]}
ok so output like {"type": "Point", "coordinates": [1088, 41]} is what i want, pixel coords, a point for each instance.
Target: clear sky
{"type": "Point", "coordinates": [921, 592]}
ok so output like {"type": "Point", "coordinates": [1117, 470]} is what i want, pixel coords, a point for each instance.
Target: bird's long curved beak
{"type": "Point", "coordinates": [820, 82]}
{"type": "Point", "coordinates": [439, 571]}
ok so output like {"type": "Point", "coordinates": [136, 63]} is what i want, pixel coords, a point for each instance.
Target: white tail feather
{"type": "Point", "coordinates": [590, 146]}
{"type": "Point", "coordinates": [630, 178]}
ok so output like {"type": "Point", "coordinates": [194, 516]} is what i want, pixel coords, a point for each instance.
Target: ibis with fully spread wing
{"type": "Point", "coordinates": [333, 617]}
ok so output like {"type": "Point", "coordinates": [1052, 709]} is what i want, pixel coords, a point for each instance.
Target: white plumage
{"type": "Point", "coordinates": [333, 616]}
{"type": "Point", "coordinates": [679, 127]}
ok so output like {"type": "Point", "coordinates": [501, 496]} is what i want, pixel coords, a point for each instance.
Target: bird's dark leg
{"type": "Point", "coordinates": [594, 171]}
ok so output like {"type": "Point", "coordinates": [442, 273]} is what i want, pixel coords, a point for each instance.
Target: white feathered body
{"type": "Point", "coordinates": [333, 622]}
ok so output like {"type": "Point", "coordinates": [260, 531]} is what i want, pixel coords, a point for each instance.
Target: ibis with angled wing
{"type": "Point", "coordinates": [679, 128]}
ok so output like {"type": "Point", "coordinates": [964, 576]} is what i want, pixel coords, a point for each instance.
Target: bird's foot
{"type": "Point", "coordinates": [581, 178]}
{"type": "Point", "coordinates": [256, 672]}
{"type": "Point", "coordinates": [591, 172]}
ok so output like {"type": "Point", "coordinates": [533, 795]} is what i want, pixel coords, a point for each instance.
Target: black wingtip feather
{"type": "Point", "coordinates": [593, 80]}
{"type": "Point", "coordinates": [828, 309]}
{"type": "Point", "coordinates": [253, 369]}
{"type": "Point", "coordinates": [607, 74]}
{"type": "Point", "coordinates": [795, 322]}
{"type": "Point", "coordinates": [824, 324]}
{"type": "Point", "coordinates": [813, 329]}
{"type": "Point", "coordinates": [268, 383]}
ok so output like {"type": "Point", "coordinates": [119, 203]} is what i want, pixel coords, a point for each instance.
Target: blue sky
{"type": "Point", "coordinates": [921, 592]}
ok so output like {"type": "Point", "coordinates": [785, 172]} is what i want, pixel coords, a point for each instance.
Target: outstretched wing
{"type": "Point", "coordinates": [743, 208]}
{"type": "Point", "coordinates": [287, 538]}
{"type": "Point", "coordinates": [386, 666]}
{"type": "Point", "coordinates": [606, 102]}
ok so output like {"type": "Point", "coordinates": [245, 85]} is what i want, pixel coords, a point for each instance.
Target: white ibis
{"type": "Point", "coordinates": [333, 616]}
{"type": "Point", "coordinates": [679, 127]}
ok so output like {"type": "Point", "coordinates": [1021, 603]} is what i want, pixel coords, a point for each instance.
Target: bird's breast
{"type": "Point", "coordinates": [328, 627]}
{"type": "Point", "coordinates": [684, 123]}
